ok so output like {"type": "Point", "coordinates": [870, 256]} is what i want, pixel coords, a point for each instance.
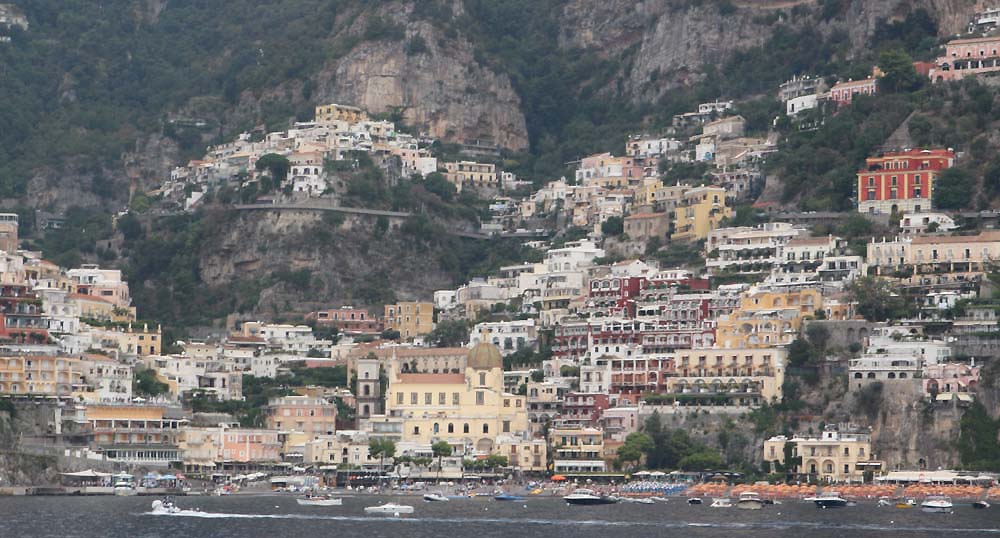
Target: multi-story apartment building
{"type": "Point", "coordinates": [842, 93]}
{"type": "Point", "coordinates": [306, 414]}
{"type": "Point", "coordinates": [471, 174]}
{"type": "Point", "coordinates": [967, 57]}
{"type": "Point", "coordinates": [40, 376]}
{"type": "Point", "coordinates": [901, 181]}
{"type": "Point", "coordinates": [740, 377]}
{"type": "Point", "coordinates": [136, 434]}
{"type": "Point", "coordinates": [746, 249]}
{"type": "Point", "coordinates": [347, 320]}
{"type": "Point", "coordinates": [768, 317]}
{"type": "Point", "coordinates": [508, 336]}
{"type": "Point", "coordinates": [545, 401]}
{"type": "Point", "coordinates": [577, 450]}
{"type": "Point", "coordinates": [331, 113]}
{"type": "Point", "coordinates": [934, 254]}
{"type": "Point", "coordinates": [832, 457]}
{"type": "Point", "coordinates": [104, 283]}
{"type": "Point", "coordinates": [701, 210]}
{"type": "Point", "coordinates": [410, 318]}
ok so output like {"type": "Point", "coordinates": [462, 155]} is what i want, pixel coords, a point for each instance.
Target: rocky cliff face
{"type": "Point", "coordinates": [441, 88]}
{"type": "Point", "coordinates": [665, 43]}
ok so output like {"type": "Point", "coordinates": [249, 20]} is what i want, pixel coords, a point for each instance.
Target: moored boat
{"type": "Point", "coordinates": [828, 499]}
{"type": "Point", "coordinates": [434, 497]}
{"type": "Point", "coordinates": [588, 497]}
{"type": "Point", "coordinates": [319, 500]}
{"type": "Point", "coordinates": [391, 509]}
{"type": "Point", "coordinates": [507, 497]}
{"type": "Point", "coordinates": [749, 500]}
{"type": "Point", "coordinates": [937, 504]}
{"type": "Point", "coordinates": [905, 503]}
{"type": "Point", "coordinates": [724, 502]}
{"type": "Point", "coordinates": [695, 500]}
{"type": "Point", "coordinates": [981, 505]}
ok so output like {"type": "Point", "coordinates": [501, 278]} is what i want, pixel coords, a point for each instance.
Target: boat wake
{"type": "Point", "coordinates": [763, 525]}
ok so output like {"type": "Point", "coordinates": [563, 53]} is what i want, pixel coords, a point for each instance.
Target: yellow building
{"type": "Point", "coordinates": [522, 452]}
{"type": "Point", "coordinates": [471, 173]}
{"type": "Point", "coordinates": [741, 377]}
{"type": "Point", "coordinates": [135, 433]}
{"type": "Point", "coordinates": [40, 376]}
{"type": "Point", "coordinates": [326, 114]}
{"type": "Point", "coordinates": [467, 410]}
{"type": "Point", "coordinates": [410, 319]}
{"type": "Point", "coordinates": [133, 340]}
{"type": "Point", "coordinates": [834, 457]}
{"type": "Point", "coordinates": [767, 318]}
{"type": "Point", "coordinates": [577, 450]}
{"type": "Point", "coordinates": [700, 211]}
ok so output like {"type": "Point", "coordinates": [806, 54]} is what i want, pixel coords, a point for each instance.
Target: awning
{"type": "Point", "coordinates": [89, 473]}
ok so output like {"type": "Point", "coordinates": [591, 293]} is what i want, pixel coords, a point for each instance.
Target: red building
{"type": "Point", "coordinates": [21, 315]}
{"type": "Point", "coordinates": [584, 409]}
{"type": "Point", "coordinates": [901, 181]}
{"type": "Point", "coordinates": [614, 296]}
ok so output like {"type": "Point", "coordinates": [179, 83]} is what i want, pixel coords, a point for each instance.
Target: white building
{"type": "Point", "coordinates": [800, 104]}
{"type": "Point", "coordinates": [509, 336]}
{"type": "Point", "coordinates": [919, 223]}
{"type": "Point", "coordinates": [747, 249]}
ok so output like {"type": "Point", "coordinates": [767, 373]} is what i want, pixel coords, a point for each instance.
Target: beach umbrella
{"type": "Point", "coordinates": [558, 478]}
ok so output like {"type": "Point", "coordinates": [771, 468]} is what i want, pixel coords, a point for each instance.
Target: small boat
{"type": "Point", "coordinates": [905, 503]}
{"type": "Point", "coordinates": [981, 505]}
{"type": "Point", "coordinates": [883, 501]}
{"type": "Point", "coordinates": [828, 499]}
{"type": "Point", "coordinates": [637, 500]}
{"type": "Point", "coordinates": [319, 500]}
{"type": "Point", "coordinates": [937, 504]}
{"type": "Point", "coordinates": [165, 506]}
{"type": "Point", "coordinates": [588, 497]}
{"type": "Point", "coordinates": [391, 509]}
{"type": "Point", "coordinates": [695, 500]}
{"type": "Point", "coordinates": [435, 497]}
{"type": "Point", "coordinates": [721, 503]}
{"type": "Point", "coordinates": [660, 499]}
{"type": "Point", "coordinates": [749, 500]}
{"type": "Point", "coordinates": [507, 497]}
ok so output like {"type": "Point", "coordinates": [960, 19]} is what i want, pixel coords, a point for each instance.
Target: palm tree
{"type": "Point", "coordinates": [440, 450]}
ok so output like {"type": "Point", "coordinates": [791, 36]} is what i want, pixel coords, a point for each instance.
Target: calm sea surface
{"type": "Point", "coordinates": [280, 517]}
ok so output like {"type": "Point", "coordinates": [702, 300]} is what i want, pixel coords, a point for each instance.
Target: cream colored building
{"type": "Point", "coordinates": [469, 173]}
{"type": "Point", "coordinates": [410, 319]}
{"type": "Point", "coordinates": [741, 377]}
{"type": "Point", "coordinates": [348, 448]}
{"type": "Point", "coordinates": [306, 414]}
{"type": "Point", "coordinates": [523, 453]}
{"type": "Point", "coordinates": [467, 410]}
{"type": "Point", "coordinates": [577, 450]}
{"type": "Point", "coordinates": [332, 113]}
{"type": "Point", "coordinates": [935, 254]}
{"type": "Point", "coordinates": [833, 457]}
{"type": "Point", "coordinates": [40, 376]}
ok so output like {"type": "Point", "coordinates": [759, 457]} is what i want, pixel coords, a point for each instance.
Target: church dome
{"type": "Point", "coordinates": [485, 356]}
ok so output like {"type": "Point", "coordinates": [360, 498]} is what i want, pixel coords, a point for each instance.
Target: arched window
{"type": "Point", "coordinates": [451, 428]}
{"type": "Point", "coordinates": [486, 428]}
{"type": "Point", "coordinates": [437, 428]}
{"type": "Point", "coordinates": [465, 428]}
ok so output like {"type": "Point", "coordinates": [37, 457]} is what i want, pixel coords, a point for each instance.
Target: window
{"type": "Point", "coordinates": [486, 428]}
{"type": "Point", "coordinates": [506, 402]}
{"type": "Point", "coordinates": [480, 398]}
{"type": "Point", "coordinates": [451, 428]}
{"type": "Point", "coordinates": [442, 398]}
{"type": "Point", "coordinates": [454, 398]}
{"type": "Point", "coordinates": [416, 430]}
{"type": "Point", "coordinates": [428, 398]}
{"type": "Point", "coordinates": [506, 426]}
{"type": "Point", "coordinates": [465, 428]}
{"type": "Point", "coordinates": [413, 398]}
{"type": "Point", "coordinates": [847, 451]}
{"type": "Point", "coordinates": [482, 378]}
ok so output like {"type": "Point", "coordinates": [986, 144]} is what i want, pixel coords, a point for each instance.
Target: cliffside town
{"type": "Point", "coordinates": [796, 285]}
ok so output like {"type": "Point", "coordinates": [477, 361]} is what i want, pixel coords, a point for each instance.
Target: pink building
{"type": "Point", "coordinates": [843, 93]}
{"type": "Point", "coordinates": [951, 377]}
{"type": "Point", "coordinates": [250, 445]}
{"type": "Point", "coordinates": [967, 57]}
{"type": "Point", "coordinates": [306, 414]}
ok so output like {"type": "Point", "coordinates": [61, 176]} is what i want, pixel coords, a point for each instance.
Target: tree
{"type": "Point", "coordinates": [613, 226]}
{"type": "Point", "coordinates": [635, 445]}
{"type": "Point", "coordinates": [953, 189]}
{"type": "Point", "coordinates": [900, 76]}
{"type": "Point", "coordinates": [440, 450]}
{"type": "Point", "coordinates": [878, 299]}
{"type": "Point", "coordinates": [277, 165]}
{"type": "Point", "coordinates": [147, 384]}
{"type": "Point", "coordinates": [390, 334]}
{"type": "Point", "coordinates": [382, 449]}
{"type": "Point", "coordinates": [703, 460]}
{"type": "Point", "coordinates": [537, 376]}
{"type": "Point", "coordinates": [451, 333]}
{"type": "Point", "coordinates": [130, 227]}
{"type": "Point", "coordinates": [436, 183]}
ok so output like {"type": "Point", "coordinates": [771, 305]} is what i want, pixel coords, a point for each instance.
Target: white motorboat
{"type": "Point", "coordinates": [391, 509]}
{"type": "Point", "coordinates": [724, 502]}
{"type": "Point", "coordinates": [637, 500]}
{"type": "Point", "coordinates": [828, 499]}
{"type": "Point", "coordinates": [981, 504]}
{"type": "Point", "coordinates": [749, 500]}
{"type": "Point", "coordinates": [937, 504]}
{"type": "Point", "coordinates": [165, 506]}
{"type": "Point", "coordinates": [319, 500]}
{"type": "Point", "coordinates": [434, 497]}
{"type": "Point", "coordinates": [588, 497]}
